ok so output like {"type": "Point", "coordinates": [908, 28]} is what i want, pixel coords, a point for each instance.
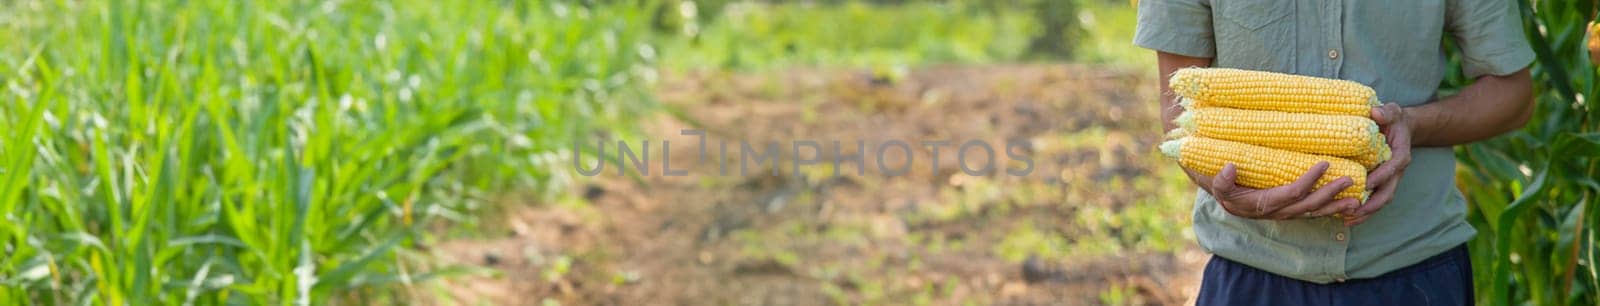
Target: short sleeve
{"type": "Point", "coordinates": [1489, 33]}
{"type": "Point", "coordinates": [1180, 27]}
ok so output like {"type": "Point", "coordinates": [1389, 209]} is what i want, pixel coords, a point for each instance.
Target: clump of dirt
{"type": "Point", "coordinates": [1094, 221]}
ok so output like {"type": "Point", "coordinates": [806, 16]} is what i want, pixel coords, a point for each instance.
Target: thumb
{"type": "Point", "coordinates": [1385, 114]}
{"type": "Point", "coordinates": [1223, 183]}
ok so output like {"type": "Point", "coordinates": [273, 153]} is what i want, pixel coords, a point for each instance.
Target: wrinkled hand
{"type": "Point", "coordinates": [1394, 125]}
{"type": "Point", "coordinates": [1295, 200]}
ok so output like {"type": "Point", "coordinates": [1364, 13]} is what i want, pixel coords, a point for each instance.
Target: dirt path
{"type": "Point", "coordinates": [1099, 219]}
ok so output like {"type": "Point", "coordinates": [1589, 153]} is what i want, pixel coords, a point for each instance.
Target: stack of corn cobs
{"type": "Point", "coordinates": [1274, 127]}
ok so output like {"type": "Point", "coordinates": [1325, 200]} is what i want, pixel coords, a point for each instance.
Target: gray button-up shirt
{"type": "Point", "coordinates": [1393, 46]}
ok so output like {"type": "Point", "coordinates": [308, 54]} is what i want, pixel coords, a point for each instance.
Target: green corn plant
{"type": "Point", "coordinates": [282, 152]}
{"type": "Point", "coordinates": [1532, 192]}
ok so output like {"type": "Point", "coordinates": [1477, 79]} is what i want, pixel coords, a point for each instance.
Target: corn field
{"type": "Point", "coordinates": [277, 152]}
{"type": "Point", "coordinates": [1530, 191]}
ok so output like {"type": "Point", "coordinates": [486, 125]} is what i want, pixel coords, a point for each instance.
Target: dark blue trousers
{"type": "Point", "coordinates": [1444, 279]}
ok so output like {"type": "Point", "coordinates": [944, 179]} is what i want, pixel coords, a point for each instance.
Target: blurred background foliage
{"type": "Point", "coordinates": [1531, 190]}
{"type": "Point", "coordinates": [740, 35]}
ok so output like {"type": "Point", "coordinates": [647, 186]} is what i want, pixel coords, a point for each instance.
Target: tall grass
{"type": "Point", "coordinates": [277, 152]}
{"type": "Point", "coordinates": [1531, 192]}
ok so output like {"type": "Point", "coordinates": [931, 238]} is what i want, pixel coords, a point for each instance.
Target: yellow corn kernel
{"type": "Point", "coordinates": [1334, 135]}
{"type": "Point", "coordinates": [1260, 90]}
{"type": "Point", "coordinates": [1262, 167]}
{"type": "Point", "coordinates": [1372, 159]}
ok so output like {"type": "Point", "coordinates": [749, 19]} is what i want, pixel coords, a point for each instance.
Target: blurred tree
{"type": "Point", "coordinates": [1059, 28]}
{"type": "Point", "coordinates": [684, 16]}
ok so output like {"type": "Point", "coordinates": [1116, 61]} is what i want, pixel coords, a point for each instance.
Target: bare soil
{"type": "Point", "coordinates": [933, 236]}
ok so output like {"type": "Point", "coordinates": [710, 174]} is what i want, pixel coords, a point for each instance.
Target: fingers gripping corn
{"type": "Point", "coordinates": [1262, 167]}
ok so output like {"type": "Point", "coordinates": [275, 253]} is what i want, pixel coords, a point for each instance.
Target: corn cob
{"type": "Point", "coordinates": [1334, 135]}
{"type": "Point", "coordinates": [1593, 43]}
{"type": "Point", "coordinates": [1262, 167]}
{"type": "Point", "coordinates": [1260, 90]}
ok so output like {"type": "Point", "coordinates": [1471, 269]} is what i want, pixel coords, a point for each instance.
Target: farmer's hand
{"type": "Point", "coordinates": [1383, 180]}
{"type": "Point", "coordinates": [1295, 200]}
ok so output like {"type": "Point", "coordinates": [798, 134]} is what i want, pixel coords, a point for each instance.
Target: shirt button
{"type": "Point", "coordinates": [1339, 236]}
{"type": "Point", "coordinates": [1333, 53]}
